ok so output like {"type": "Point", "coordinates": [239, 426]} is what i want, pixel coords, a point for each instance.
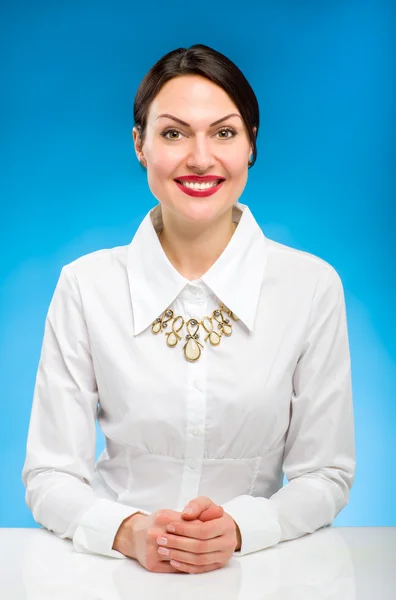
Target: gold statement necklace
{"type": "Point", "coordinates": [192, 347]}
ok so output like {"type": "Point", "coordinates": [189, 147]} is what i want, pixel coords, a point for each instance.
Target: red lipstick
{"type": "Point", "coordinates": [199, 178]}
{"type": "Point", "coordinates": [199, 193]}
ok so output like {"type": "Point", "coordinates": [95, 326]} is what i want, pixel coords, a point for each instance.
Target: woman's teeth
{"type": "Point", "coordinates": [199, 186]}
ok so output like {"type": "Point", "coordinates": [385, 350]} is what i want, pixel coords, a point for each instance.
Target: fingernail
{"type": "Point", "coordinates": [161, 541]}
{"type": "Point", "coordinates": [170, 528]}
{"type": "Point", "coordinates": [164, 551]}
{"type": "Point", "coordinates": [174, 563]}
{"type": "Point", "coordinates": [188, 511]}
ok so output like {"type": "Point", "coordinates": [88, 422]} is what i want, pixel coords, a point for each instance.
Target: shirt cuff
{"type": "Point", "coordinates": [257, 520]}
{"type": "Point", "coordinates": [98, 526]}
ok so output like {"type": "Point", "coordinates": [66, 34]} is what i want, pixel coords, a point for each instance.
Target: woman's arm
{"type": "Point", "coordinates": [60, 452]}
{"type": "Point", "coordinates": [319, 459]}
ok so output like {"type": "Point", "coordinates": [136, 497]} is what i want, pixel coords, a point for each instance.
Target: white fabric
{"type": "Point", "coordinates": [273, 398]}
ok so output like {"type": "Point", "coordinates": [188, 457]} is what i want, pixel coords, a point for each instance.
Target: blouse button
{"type": "Point", "coordinates": [192, 464]}
{"type": "Point", "coordinates": [198, 385]}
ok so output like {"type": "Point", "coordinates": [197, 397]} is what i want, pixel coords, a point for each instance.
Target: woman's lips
{"type": "Point", "coordinates": [199, 193]}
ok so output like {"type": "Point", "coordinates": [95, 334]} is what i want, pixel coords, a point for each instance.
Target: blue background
{"type": "Point", "coordinates": [324, 180]}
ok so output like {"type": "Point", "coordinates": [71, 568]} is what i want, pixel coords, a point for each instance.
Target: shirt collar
{"type": "Point", "coordinates": [235, 278]}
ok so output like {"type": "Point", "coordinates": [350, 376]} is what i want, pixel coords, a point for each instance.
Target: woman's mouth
{"type": "Point", "coordinates": [200, 189]}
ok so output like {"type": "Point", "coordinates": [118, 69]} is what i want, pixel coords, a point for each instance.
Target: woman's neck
{"type": "Point", "coordinates": [193, 253]}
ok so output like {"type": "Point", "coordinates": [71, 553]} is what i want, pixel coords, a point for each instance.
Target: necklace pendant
{"type": "Point", "coordinates": [192, 350]}
{"type": "Point", "coordinates": [227, 329]}
{"type": "Point", "coordinates": [156, 327]}
{"type": "Point", "coordinates": [172, 338]}
{"type": "Point", "coordinates": [214, 338]}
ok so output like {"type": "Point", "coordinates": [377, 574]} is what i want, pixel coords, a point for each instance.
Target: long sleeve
{"type": "Point", "coordinates": [319, 457]}
{"type": "Point", "coordinates": [61, 443]}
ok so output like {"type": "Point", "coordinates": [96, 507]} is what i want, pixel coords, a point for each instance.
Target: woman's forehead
{"type": "Point", "coordinates": [194, 98]}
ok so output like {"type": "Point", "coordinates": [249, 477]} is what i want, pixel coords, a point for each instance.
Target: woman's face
{"type": "Point", "coordinates": [171, 149]}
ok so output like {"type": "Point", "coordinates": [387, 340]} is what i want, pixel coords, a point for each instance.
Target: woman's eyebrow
{"type": "Point", "coordinates": [187, 125]}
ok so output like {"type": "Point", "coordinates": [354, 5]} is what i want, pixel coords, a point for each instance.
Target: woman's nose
{"type": "Point", "coordinates": [200, 155]}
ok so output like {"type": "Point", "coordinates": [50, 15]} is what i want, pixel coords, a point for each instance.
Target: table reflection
{"type": "Point", "coordinates": [316, 566]}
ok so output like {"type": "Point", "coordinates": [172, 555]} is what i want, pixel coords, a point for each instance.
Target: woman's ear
{"type": "Point", "coordinates": [136, 139]}
{"type": "Point", "coordinates": [138, 146]}
{"type": "Point", "coordinates": [255, 135]}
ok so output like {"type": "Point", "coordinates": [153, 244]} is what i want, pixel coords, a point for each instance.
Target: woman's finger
{"type": "Point", "coordinates": [197, 529]}
{"type": "Point", "coordinates": [202, 508]}
{"type": "Point", "coordinates": [186, 568]}
{"type": "Point", "coordinates": [213, 512]}
{"type": "Point", "coordinates": [189, 557]}
{"type": "Point", "coordinates": [188, 544]}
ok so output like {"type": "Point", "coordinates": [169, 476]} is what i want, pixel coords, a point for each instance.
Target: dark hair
{"type": "Point", "coordinates": [207, 62]}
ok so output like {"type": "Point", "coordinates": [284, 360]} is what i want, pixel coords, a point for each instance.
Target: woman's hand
{"type": "Point", "coordinates": [137, 538]}
{"type": "Point", "coordinates": [141, 537]}
{"type": "Point", "coordinates": [202, 544]}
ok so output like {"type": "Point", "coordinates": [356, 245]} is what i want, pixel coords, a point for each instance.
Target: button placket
{"type": "Point", "coordinates": [195, 421]}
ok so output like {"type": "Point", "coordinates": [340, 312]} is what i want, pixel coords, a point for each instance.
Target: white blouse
{"type": "Point", "coordinates": [272, 398]}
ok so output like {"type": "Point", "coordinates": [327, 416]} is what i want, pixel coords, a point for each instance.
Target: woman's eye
{"type": "Point", "coordinates": [165, 133]}
{"type": "Point", "coordinates": [228, 130]}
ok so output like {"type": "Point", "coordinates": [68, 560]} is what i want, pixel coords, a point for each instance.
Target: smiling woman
{"type": "Point", "coordinates": [215, 359]}
{"type": "Point", "coordinates": [196, 125]}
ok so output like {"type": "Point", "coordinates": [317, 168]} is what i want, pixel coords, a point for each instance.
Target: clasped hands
{"type": "Point", "coordinates": [201, 538]}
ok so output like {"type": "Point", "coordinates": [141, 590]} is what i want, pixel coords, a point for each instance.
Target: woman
{"type": "Point", "coordinates": [215, 359]}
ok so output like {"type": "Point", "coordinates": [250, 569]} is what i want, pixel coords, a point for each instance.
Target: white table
{"type": "Point", "coordinates": [346, 563]}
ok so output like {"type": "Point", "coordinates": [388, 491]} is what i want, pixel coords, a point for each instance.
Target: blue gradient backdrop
{"type": "Point", "coordinates": [324, 181]}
